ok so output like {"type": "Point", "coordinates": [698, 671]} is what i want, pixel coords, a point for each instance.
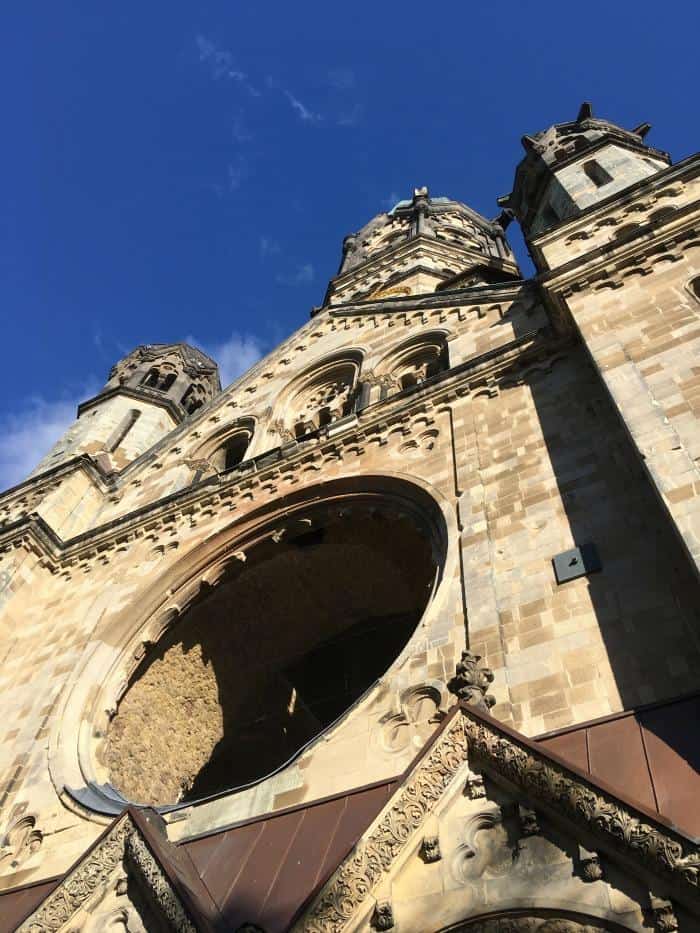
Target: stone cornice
{"type": "Point", "coordinates": [686, 168]}
{"type": "Point", "coordinates": [420, 245]}
{"type": "Point", "coordinates": [124, 845]}
{"type": "Point", "coordinates": [459, 297]}
{"type": "Point", "coordinates": [37, 484]}
{"type": "Point", "coordinates": [484, 370]}
{"type": "Point", "coordinates": [649, 243]}
{"type": "Point", "coordinates": [141, 394]}
{"type": "Point", "coordinates": [689, 166]}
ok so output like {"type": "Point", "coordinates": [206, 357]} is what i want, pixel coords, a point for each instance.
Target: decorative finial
{"type": "Point", "coordinates": [642, 130]}
{"type": "Point", "coordinates": [585, 111]}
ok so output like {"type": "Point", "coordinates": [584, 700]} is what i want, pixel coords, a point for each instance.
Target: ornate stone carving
{"type": "Point", "coordinates": [157, 885]}
{"type": "Point", "coordinates": [350, 886]}
{"type": "Point", "coordinates": [430, 849]}
{"type": "Point", "coordinates": [81, 883]}
{"type": "Point", "coordinates": [383, 916]}
{"type": "Point", "coordinates": [475, 788]}
{"type": "Point", "coordinates": [471, 682]}
{"type": "Point", "coordinates": [528, 821]}
{"type": "Point", "coordinates": [600, 813]}
{"type": "Point", "coordinates": [662, 914]}
{"type": "Point", "coordinates": [527, 924]}
{"type": "Point", "coordinates": [123, 843]}
{"type": "Point", "coordinates": [21, 841]}
{"type": "Point", "coordinates": [589, 865]}
{"type": "Point", "coordinates": [420, 713]}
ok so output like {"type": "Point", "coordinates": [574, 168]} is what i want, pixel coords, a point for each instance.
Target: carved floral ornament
{"type": "Point", "coordinates": [123, 844]}
{"type": "Point", "coordinates": [353, 888]}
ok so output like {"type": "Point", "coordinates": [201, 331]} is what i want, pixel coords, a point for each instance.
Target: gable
{"type": "Point", "coordinates": [486, 822]}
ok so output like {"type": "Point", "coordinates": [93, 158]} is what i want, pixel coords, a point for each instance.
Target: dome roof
{"type": "Point", "coordinates": [440, 218]}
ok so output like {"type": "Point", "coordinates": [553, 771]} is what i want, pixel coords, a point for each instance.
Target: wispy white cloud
{"type": "Point", "coordinates": [31, 430]}
{"type": "Point", "coordinates": [389, 202]}
{"type": "Point", "coordinates": [234, 356]}
{"type": "Point", "coordinates": [222, 64]}
{"type": "Point", "coordinates": [308, 116]}
{"type": "Point", "coordinates": [303, 275]}
{"type": "Point", "coordinates": [269, 247]}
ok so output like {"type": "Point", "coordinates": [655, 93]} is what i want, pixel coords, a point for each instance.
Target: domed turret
{"type": "Point", "coordinates": [571, 166]}
{"type": "Point", "coordinates": [417, 247]}
{"type": "Point", "coordinates": [148, 392]}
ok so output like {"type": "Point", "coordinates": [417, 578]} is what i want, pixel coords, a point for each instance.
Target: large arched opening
{"type": "Point", "coordinates": [294, 631]}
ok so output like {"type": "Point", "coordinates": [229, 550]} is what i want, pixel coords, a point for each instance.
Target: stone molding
{"type": "Point", "coordinates": [155, 882]}
{"type": "Point", "coordinates": [123, 841]}
{"type": "Point", "coordinates": [351, 886]}
{"type": "Point", "coordinates": [91, 872]}
{"type": "Point", "coordinates": [619, 826]}
{"type": "Point", "coordinates": [642, 842]}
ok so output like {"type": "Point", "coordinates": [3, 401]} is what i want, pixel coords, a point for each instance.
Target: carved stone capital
{"type": "Point", "coordinates": [662, 914]}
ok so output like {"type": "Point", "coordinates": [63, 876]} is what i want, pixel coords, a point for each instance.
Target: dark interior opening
{"type": "Point", "coordinates": [272, 655]}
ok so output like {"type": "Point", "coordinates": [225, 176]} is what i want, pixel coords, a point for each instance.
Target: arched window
{"type": "Point", "coordinates": [151, 378]}
{"type": "Point", "coordinates": [193, 398]}
{"type": "Point", "coordinates": [231, 452]}
{"type": "Point", "coordinates": [159, 379]}
{"type": "Point", "coordinates": [325, 396]}
{"type": "Point", "coordinates": [414, 363]}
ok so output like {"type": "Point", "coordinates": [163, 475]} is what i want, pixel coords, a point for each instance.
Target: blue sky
{"type": "Point", "coordinates": [188, 170]}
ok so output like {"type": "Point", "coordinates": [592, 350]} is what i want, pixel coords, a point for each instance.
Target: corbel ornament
{"type": "Point", "coordinates": [659, 850]}
{"type": "Point", "coordinates": [353, 883]}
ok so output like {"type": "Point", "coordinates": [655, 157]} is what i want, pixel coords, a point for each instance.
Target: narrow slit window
{"type": "Point", "coordinates": [118, 435]}
{"type": "Point", "coordinates": [595, 171]}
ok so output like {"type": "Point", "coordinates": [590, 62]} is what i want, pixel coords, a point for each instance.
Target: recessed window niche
{"type": "Point", "coordinates": [272, 655]}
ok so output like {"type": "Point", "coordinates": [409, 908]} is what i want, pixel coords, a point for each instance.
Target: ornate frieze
{"type": "Point", "coordinates": [122, 847]}
{"type": "Point", "coordinates": [601, 814]}
{"type": "Point", "coordinates": [350, 886]}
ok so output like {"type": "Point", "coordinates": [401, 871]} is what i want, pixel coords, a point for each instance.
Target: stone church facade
{"type": "Point", "coordinates": [400, 631]}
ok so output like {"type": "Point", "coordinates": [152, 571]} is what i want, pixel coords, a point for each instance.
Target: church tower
{"type": "Point", "coordinates": [399, 631]}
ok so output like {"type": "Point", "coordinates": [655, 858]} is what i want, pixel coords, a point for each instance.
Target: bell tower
{"type": "Point", "coordinates": [148, 393]}
{"type": "Point", "coordinates": [572, 166]}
